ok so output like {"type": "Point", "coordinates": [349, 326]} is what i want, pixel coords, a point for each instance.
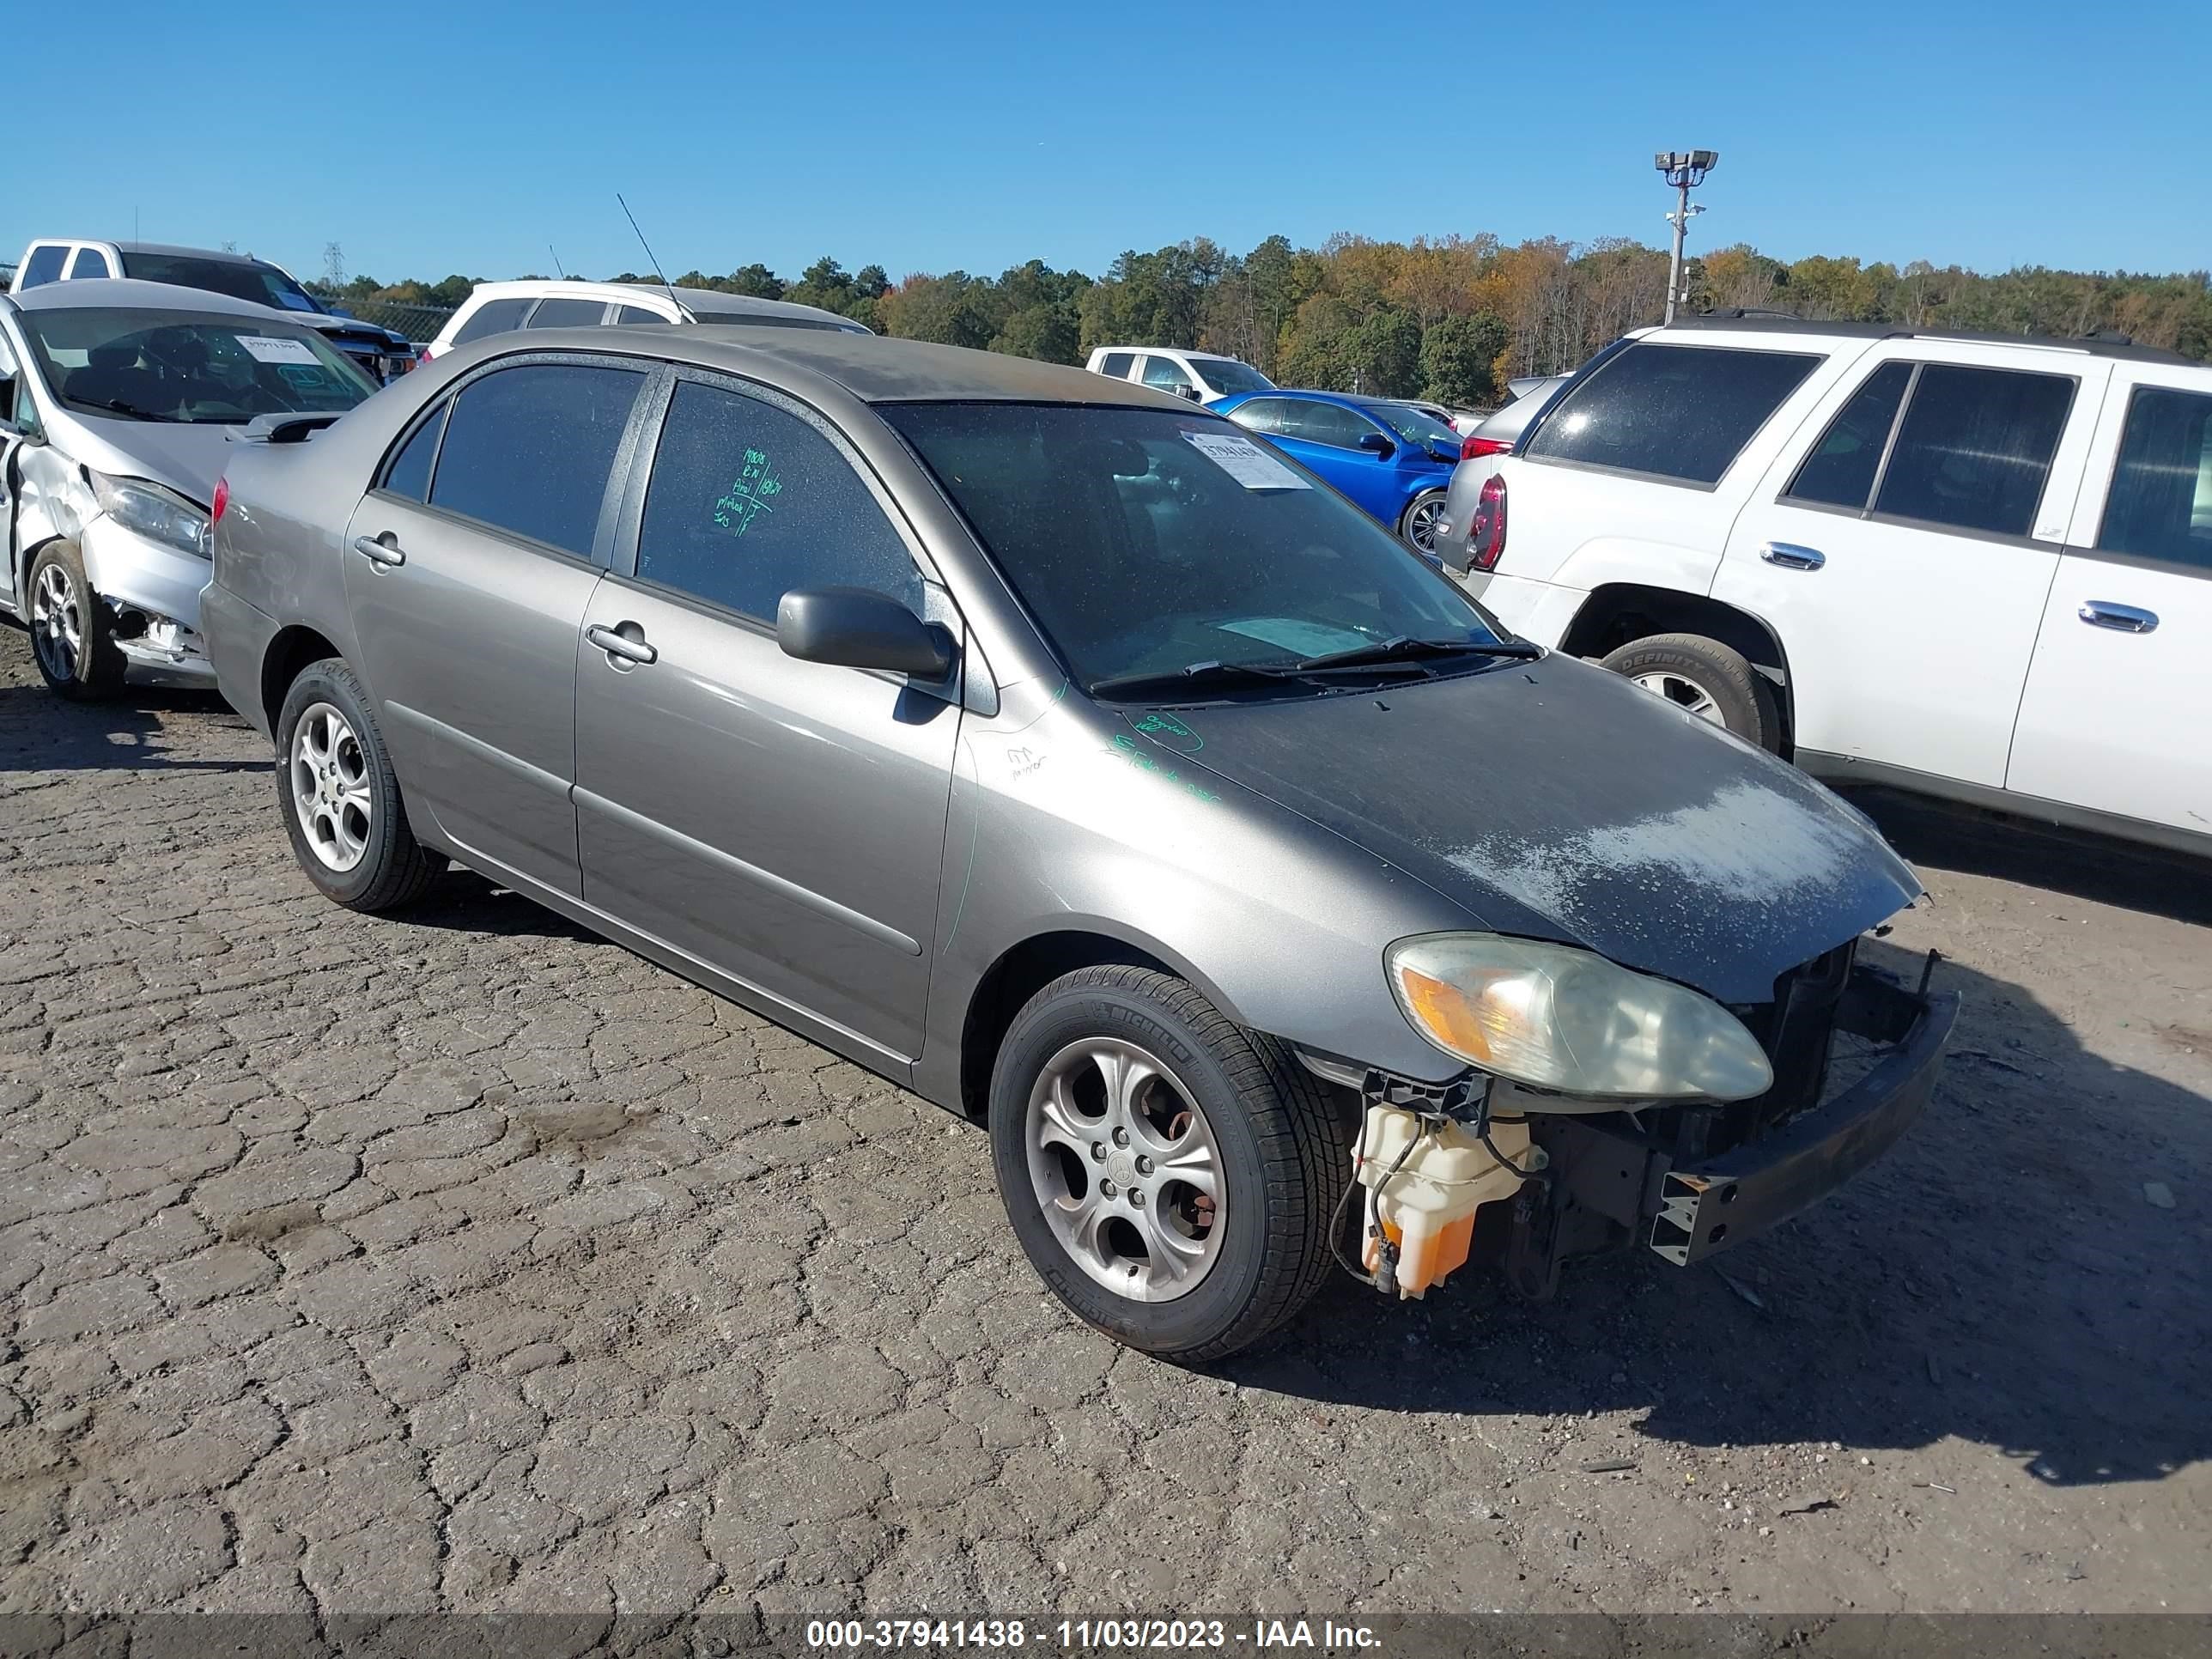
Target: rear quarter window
{"type": "Point", "coordinates": [1671, 411]}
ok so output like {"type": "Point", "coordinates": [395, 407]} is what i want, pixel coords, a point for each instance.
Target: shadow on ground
{"type": "Point", "coordinates": [466, 903]}
{"type": "Point", "coordinates": [42, 733]}
{"type": "Point", "coordinates": [2000, 1277]}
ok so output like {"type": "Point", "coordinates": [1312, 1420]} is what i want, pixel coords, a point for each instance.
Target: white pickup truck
{"type": "Point", "coordinates": [1974, 566]}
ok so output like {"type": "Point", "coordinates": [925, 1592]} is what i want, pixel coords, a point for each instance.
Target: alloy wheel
{"type": "Point", "coordinates": [330, 787]}
{"type": "Point", "coordinates": [1126, 1170]}
{"type": "Point", "coordinates": [1684, 693]}
{"type": "Point", "coordinates": [1421, 523]}
{"type": "Point", "coordinates": [57, 622]}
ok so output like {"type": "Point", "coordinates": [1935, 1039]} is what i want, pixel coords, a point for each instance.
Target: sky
{"type": "Point", "coordinates": [428, 140]}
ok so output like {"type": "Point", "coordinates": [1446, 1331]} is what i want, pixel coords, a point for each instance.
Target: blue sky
{"type": "Point", "coordinates": [432, 139]}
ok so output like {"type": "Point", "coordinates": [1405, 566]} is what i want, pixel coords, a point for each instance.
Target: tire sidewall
{"type": "Point", "coordinates": [1203, 1314]}
{"type": "Point", "coordinates": [1745, 710]}
{"type": "Point", "coordinates": [330, 681]}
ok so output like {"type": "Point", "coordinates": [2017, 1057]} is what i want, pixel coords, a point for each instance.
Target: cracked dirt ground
{"type": "Point", "coordinates": [463, 1260]}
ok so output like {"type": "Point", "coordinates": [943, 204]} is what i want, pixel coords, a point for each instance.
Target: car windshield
{"type": "Point", "coordinates": [264, 285]}
{"type": "Point", "coordinates": [1228, 376]}
{"type": "Point", "coordinates": [1414, 426]}
{"type": "Point", "coordinates": [170, 366]}
{"type": "Point", "coordinates": [1145, 541]}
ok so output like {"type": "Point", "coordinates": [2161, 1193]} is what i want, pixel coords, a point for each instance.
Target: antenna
{"type": "Point", "coordinates": [652, 261]}
{"type": "Point", "coordinates": [555, 252]}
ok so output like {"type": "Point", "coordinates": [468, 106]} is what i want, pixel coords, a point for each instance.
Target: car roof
{"type": "Point", "coordinates": [130, 293]}
{"type": "Point", "coordinates": [874, 369]}
{"type": "Point", "coordinates": [1771, 322]}
{"type": "Point", "coordinates": [581, 288]}
{"type": "Point", "coordinates": [1343, 399]}
{"type": "Point", "coordinates": [1191, 353]}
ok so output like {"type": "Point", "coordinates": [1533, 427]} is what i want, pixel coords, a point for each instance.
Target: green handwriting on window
{"type": "Point", "coordinates": [748, 496]}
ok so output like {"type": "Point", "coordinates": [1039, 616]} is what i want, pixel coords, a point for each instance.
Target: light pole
{"type": "Point", "coordinates": [1684, 169]}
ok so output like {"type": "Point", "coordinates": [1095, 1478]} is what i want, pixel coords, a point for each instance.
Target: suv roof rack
{"type": "Point", "coordinates": [2105, 344]}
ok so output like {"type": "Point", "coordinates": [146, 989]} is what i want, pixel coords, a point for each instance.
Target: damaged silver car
{"type": "Point", "coordinates": [1054, 749]}
{"type": "Point", "coordinates": [117, 403]}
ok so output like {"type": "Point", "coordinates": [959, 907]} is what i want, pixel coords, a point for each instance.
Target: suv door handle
{"type": "Point", "coordinates": [1791, 556]}
{"type": "Point", "coordinates": [628, 647]}
{"type": "Point", "coordinates": [2104, 613]}
{"type": "Point", "coordinates": [387, 553]}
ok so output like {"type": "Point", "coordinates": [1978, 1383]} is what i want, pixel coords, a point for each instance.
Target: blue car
{"type": "Point", "coordinates": [1388, 457]}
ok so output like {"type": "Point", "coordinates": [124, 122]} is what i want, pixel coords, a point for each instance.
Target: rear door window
{"type": "Point", "coordinates": [749, 500]}
{"type": "Point", "coordinates": [1842, 466]}
{"type": "Point", "coordinates": [529, 450]}
{"type": "Point", "coordinates": [1671, 411]}
{"type": "Point", "coordinates": [1974, 450]}
{"type": "Point", "coordinates": [1260, 415]}
{"type": "Point", "coordinates": [2160, 504]}
{"type": "Point", "coordinates": [89, 262]}
{"type": "Point", "coordinates": [637, 314]}
{"type": "Point", "coordinates": [492, 317]}
{"type": "Point", "coordinates": [1117, 364]}
{"type": "Point", "coordinates": [1322, 423]}
{"type": "Point", "coordinates": [568, 313]}
{"type": "Point", "coordinates": [44, 266]}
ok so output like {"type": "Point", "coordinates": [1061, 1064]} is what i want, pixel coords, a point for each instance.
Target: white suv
{"type": "Point", "coordinates": [1979, 567]}
{"type": "Point", "coordinates": [561, 302]}
{"type": "Point", "coordinates": [1200, 376]}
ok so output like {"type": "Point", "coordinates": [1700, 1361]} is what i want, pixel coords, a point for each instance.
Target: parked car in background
{"type": "Point", "coordinates": [1057, 750]}
{"type": "Point", "coordinates": [539, 303]}
{"type": "Point", "coordinates": [381, 353]}
{"type": "Point", "coordinates": [119, 404]}
{"type": "Point", "coordinates": [1979, 566]}
{"type": "Point", "coordinates": [1389, 457]}
{"type": "Point", "coordinates": [1200, 376]}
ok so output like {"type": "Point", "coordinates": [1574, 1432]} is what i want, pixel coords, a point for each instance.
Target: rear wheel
{"type": "Point", "coordinates": [71, 636]}
{"type": "Point", "coordinates": [341, 798]}
{"type": "Point", "coordinates": [1419, 523]}
{"type": "Point", "coordinates": [1170, 1174]}
{"type": "Point", "coordinates": [1705, 679]}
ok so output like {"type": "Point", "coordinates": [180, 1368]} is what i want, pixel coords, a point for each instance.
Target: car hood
{"type": "Point", "coordinates": [1553, 799]}
{"type": "Point", "coordinates": [188, 458]}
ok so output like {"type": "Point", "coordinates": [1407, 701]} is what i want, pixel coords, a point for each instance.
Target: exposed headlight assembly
{"type": "Point", "coordinates": [1555, 1018]}
{"type": "Point", "coordinates": [156, 514]}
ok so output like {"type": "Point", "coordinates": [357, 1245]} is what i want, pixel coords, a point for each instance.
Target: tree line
{"type": "Point", "coordinates": [1450, 320]}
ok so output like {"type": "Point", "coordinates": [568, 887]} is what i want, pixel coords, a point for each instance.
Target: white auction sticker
{"type": "Point", "coordinates": [1245, 461]}
{"type": "Point", "coordinates": [268, 349]}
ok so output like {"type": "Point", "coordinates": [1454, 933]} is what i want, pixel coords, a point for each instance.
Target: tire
{"type": "Point", "coordinates": [340, 797]}
{"type": "Point", "coordinates": [72, 632]}
{"type": "Point", "coordinates": [1417, 525]}
{"type": "Point", "coordinates": [1706, 679]}
{"type": "Point", "coordinates": [1278, 1145]}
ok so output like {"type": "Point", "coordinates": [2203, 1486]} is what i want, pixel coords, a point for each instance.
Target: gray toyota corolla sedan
{"type": "Point", "coordinates": [1051, 747]}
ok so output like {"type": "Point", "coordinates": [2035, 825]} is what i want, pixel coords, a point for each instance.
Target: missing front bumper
{"type": "Point", "coordinates": [1696, 1210]}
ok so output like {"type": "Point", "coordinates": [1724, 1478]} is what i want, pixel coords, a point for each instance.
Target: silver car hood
{"type": "Point", "coordinates": [186, 458]}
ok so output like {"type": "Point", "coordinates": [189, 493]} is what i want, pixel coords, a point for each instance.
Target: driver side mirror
{"type": "Point", "coordinates": [856, 628]}
{"type": "Point", "coordinates": [1191, 392]}
{"type": "Point", "coordinates": [1378, 446]}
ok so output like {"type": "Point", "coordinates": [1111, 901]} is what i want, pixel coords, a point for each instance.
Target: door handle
{"type": "Point", "coordinates": [1791, 556]}
{"type": "Point", "coordinates": [2125, 618]}
{"type": "Point", "coordinates": [629, 647]}
{"type": "Point", "coordinates": [387, 553]}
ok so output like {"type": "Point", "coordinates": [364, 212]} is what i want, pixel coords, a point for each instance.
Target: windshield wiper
{"type": "Point", "coordinates": [1403, 649]}
{"type": "Point", "coordinates": [1194, 678]}
{"type": "Point", "coordinates": [129, 410]}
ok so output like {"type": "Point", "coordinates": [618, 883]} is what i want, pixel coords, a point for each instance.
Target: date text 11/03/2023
{"type": "Point", "coordinates": [1259, 1635]}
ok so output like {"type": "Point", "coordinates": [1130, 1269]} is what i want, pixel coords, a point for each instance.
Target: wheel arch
{"type": "Point", "coordinates": [290, 651]}
{"type": "Point", "coordinates": [1618, 613]}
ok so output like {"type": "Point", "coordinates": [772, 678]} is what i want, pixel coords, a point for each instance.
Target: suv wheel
{"type": "Point", "coordinates": [1418, 525]}
{"type": "Point", "coordinates": [1707, 679]}
{"type": "Point", "coordinates": [340, 797]}
{"type": "Point", "coordinates": [70, 636]}
{"type": "Point", "coordinates": [1170, 1174]}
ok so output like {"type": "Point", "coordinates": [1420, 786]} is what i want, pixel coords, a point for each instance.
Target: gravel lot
{"type": "Point", "coordinates": [464, 1260]}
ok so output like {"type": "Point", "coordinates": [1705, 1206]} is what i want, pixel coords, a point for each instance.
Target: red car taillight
{"type": "Point", "coordinates": [1472, 447]}
{"type": "Point", "coordinates": [423, 361]}
{"type": "Point", "coordinates": [221, 501]}
{"type": "Point", "coordinates": [1485, 534]}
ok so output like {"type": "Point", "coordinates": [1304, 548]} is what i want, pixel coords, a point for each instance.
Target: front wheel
{"type": "Point", "coordinates": [71, 637]}
{"type": "Point", "coordinates": [1170, 1174]}
{"type": "Point", "coordinates": [1706, 679]}
{"type": "Point", "coordinates": [340, 797]}
{"type": "Point", "coordinates": [1418, 525]}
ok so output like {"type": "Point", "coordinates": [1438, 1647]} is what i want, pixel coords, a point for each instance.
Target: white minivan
{"type": "Point", "coordinates": [1200, 376]}
{"type": "Point", "coordinates": [1972, 566]}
